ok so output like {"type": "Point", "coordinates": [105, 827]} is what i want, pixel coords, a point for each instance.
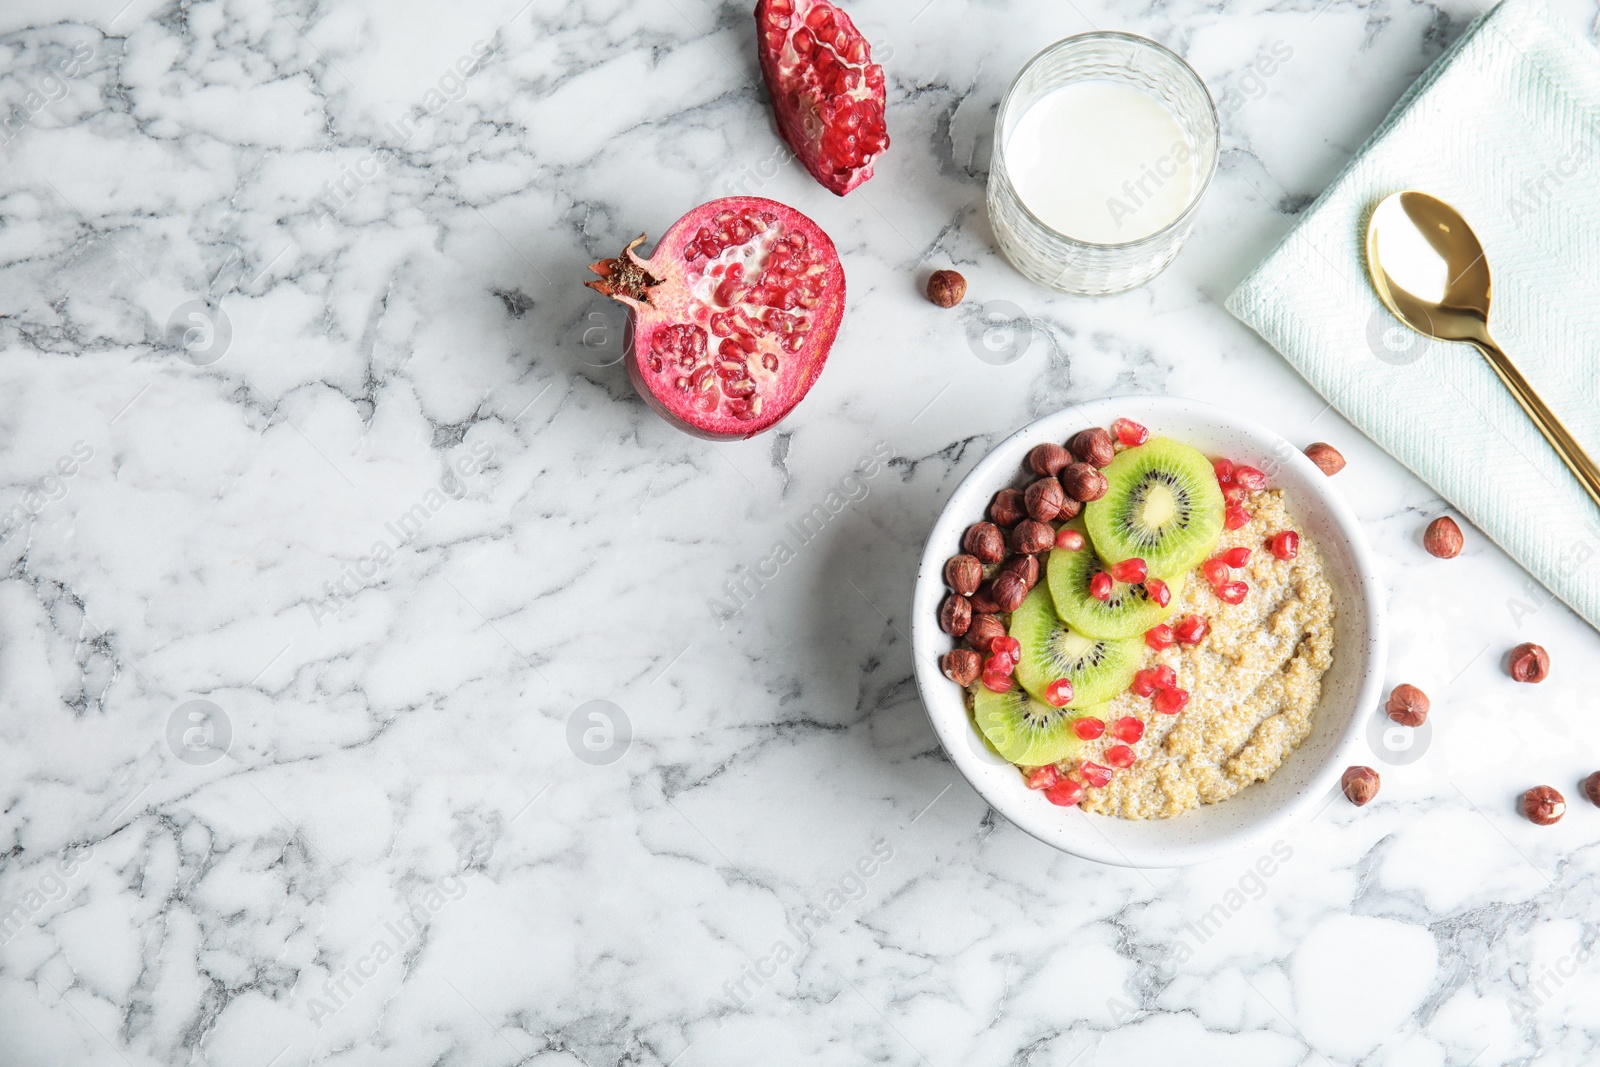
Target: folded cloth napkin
{"type": "Point", "coordinates": [1506, 127]}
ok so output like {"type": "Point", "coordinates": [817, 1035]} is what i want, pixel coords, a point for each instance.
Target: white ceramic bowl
{"type": "Point", "coordinates": [1351, 688]}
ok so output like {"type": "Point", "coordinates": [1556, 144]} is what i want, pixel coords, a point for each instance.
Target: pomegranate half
{"type": "Point", "coordinates": [827, 93]}
{"type": "Point", "coordinates": [733, 314]}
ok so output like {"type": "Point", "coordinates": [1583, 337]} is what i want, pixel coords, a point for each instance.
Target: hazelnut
{"type": "Point", "coordinates": [1007, 508]}
{"type": "Point", "coordinates": [1093, 446]}
{"type": "Point", "coordinates": [1325, 456]}
{"type": "Point", "coordinates": [1543, 805]}
{"type": "Point", "coordinates": [955, 615]}
{"type": "Point", "coordinates": [984, 628]}
{"type": "Point", "coordinates": [1009, 590]}
{"type": "Point", "coordinates": [1044, 498]}
{"type": "Point", "coordinates": [1591, 788]}
{"type": "Point", "coordinates": [1083, 482]}
{"type": "Point", "coordinates": [946, 288]}
{"type": "Point", "coordinates": [1443, 538]}
{"type": "Point", "coordinates": [1360, 784]}
{"type": "Point", "coordinates": [1528, 663]}
{"type": "Point", "coordinates": [963, 574]}
{"type": "Point", "coordinates": [1408, 705]}
{"type": "Point", "coordinates": [983, 602]}
{"type": "Point", "coordinates": [1030, 536]}
{"type": "Point", "coordinates": [984, 540]}
{"type": "Point", "coordinates": [961, 666]}
{"type": "Point", "coordinates": [1046, 460]}
{"type": "Point", "coordinates": [1025, 567]}
{"type": "Point", "coordinates": [1069, 509]}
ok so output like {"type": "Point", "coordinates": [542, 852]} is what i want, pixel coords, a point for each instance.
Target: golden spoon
{"type": "Point", "coordinates": [1430, 270]}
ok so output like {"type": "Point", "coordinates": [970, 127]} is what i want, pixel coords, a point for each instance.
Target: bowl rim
{"type": "Point", "coordinates": [1365, 583]}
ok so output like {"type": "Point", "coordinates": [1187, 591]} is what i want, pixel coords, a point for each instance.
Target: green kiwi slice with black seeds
{"type": "Point", "coordinates": [1098, 669]}
{"type": "Point", "coordinates": [1127, 613]}
{"type": "Point", "coordinates": [1162, 504]}
{"type": "Point", "coordinates": [1023, 730]}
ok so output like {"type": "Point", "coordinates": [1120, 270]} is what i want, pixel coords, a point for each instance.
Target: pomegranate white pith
{"type": "Point", "coordinates": [734, 314]}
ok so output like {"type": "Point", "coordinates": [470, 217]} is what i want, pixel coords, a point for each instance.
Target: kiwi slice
{"type": "Point", "coordinates": [1162, 504]}
{"type": "Point", "coordinates": [1098, 669]}
{"type": "Point", "coordinates": [1127, 613]}
{"type": "Point", "coordinates": [1024, 730]}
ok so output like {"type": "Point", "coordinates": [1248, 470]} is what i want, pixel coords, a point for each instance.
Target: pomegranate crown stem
{"type": "Point", "coordinates": [624, 277]}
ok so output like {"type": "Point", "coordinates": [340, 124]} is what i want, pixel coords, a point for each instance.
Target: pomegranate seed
{"type": "Point", "coordinates": [1131, 571]}
{"type": "Point", "coordinates": [1058, 692]}
{"type": "Point", "coordinates": [1120, 756]}
{"type": "Point", "coordinates": [1159, 637]}
{"type": "Point", "coordinates": [1100, 586]}
{"type": "Point", "coordinates": [1236, 557]}
{"type": "Point", "coordinates": [1191, 629]}
{"type": "Point", "coordinates": [1129, 432]}
{"type": "Point", "coordinates": [1066, 793]}
{"type": "Point", "coordinates": [1285, 545]}
{"type": "Point", "coordinates": [1232, 494]}
{"type": "Point", "coordinates": [1249, 478]}
{"type": "Point", "coordinates": [1166, 677]}
{"type": "Point", "coordinates": [1128, 729]}
{"type": "Point", "coordinates": [1224, 469]}
{"type": "Point", "coordinates": [1233, 592]}
{"type": "Point", "coordinates": [1170, 701]}
{"type": "Point", "coordinates": [1008, 647]}
{"type": "Point", "coordinates": [1236, 517]}
{"type": "Point", "coordinates": [999, 665]}
{"type": "Point", "coordinates": [1215, 570]}
{"type": "Point", "coordinates": [1088, 727]}
{"type": "Point", "coordinates": [1069, 539]}
{"type": "Point", "coordinates": [1043, 777]}
{"type": "Point", "coordinates": [1158, 590]}
{"type": "Point", "coordinates": [1144, 683]}
{"type": "Point", "coordinates": [996, 682]}
{"type": "Point", "coordinates": [1095, 774]}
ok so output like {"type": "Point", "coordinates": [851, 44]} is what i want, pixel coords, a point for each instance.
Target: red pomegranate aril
{"type": "Point", "coordinates": [999, 665]}
{"type": "Point", "coordinates": [1129, 432]}
{"type": "Point", "coordinates": [1128, 729]}
{"type": "Point", "coordinates": [1249, 478]}
{"type": "Point", "coordinates": [1192, 629]}
{"type": "Point", "coordinates": [1144, 683]}
{"type": "Point", "coordinates": [1236, 557]}
{"type": "Point", "coordinates": [1224, 469]}
{"type": "Point", "coordinates": [1095, 774]}
{"type": "Point", "coordinates": [1120, 756]}
{"type": "Point", "coordinates": [1044, 777]}
{"type": "Point", "coordinates": [1100, 586]}
{"type": "Point", "coordinates": [1159, 592]}
{"type": "Point", "coordinates": [1232, 494]}
{"type": "Point", "coordinates": [1069, 539]}
{"type": "Point", "coordinates": [1166, 677]}
{"type": "Point", "coordinates": [1007, 646]}
{"type": "Point", "coordinates": [1159, 637]}
{"type": "Point", "coordinates": [1066, 793]}
{"type": "Point", "coordinates": [1235, 517]}
{"type": "Point", "coordinates": [1285, 545]}
{"type": "Point", "coordinates": [996, 682]}
{"type": "Point", "coordinates": [1170, 701]}
{"type": "Point", "coordinates": [1088, 728]}
{"type": "Point", "coordinates": [1131, 571]}
{"type": "Point", "coordinates": [1233, 592]}
{"type": "Point", "coordinates": [1215, 571]}
{"type": "Point", "coordinates": [1058, 693]}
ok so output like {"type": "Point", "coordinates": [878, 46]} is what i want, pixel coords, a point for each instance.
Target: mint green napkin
{"type": "Point", "coordinates": [1506, 127]}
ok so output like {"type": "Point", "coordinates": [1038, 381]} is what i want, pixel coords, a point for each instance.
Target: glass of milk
{"type": "Point", "coordinates": [1103, 147]}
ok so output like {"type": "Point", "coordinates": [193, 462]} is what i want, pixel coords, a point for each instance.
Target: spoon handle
{"type": "Point", "coordinates": [1572, 454]}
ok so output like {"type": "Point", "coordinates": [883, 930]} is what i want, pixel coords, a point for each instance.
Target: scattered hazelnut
{"type": "Point", "coordinates": [1093, 446]}
{"type": "Point", "coordinates": [963, 574]}
{"type": "Point", "coordinates": [1007, 508]}
{"type": "Point", "coordinates": [1069, 509]}
{"type": "Point", "coordinates": [1083, 482]}
{"type": "Point", "coordinates": [1046, 460]}
{"type": "Point", "coordinates": [1025, 567]}
{"type": "Point", "coordinates": [1044, 498]}
{"type": "Point", "coordinates": [984, 540]}
{"type": "Point", "coordinates": [1543, 805]}
{"type": "Point", "coordinates": [1443, 538]}
{"type": "Point", "coordinates": [1408, 705]}
{"type": "Point", "coordinates": [961, 666]}
{"type": "Point", "coordinates": [1360, 785]}
{"type": "Point", "coordinates": [1528, 663]}
{"type": "Point", "coordinates": [1010, 590]}
{"type": "Point", "coordinates": [983, 602]}
{"type": "Point", "coordinates": [984, 628]}
{"type": "Point", "coordinates": [955, 615]}
{"type": "Point", "coordinates": [1591, 788]}
{"type": "Point", "coordinates": [1029, 536]}
{"type": "Point", "coordinates": [1325, 456]}
{"type": "Point", "coordinates": [946, 288]}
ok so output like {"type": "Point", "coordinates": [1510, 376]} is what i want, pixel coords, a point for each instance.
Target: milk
{"type": "Point", "coordinates": [1101, 162]}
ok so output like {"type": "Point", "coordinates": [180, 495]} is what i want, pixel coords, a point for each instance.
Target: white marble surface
{"type": "Point", "coordinates": [402, 742]}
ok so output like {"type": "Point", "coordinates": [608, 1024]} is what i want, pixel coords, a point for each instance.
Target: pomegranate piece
{"type": "Point", "coordinates": [1066, 792]}
{"type": "Point", "coordinates": [996, 682]}
{"type": "Point", "coordinates": [827, 94]}
{"type": "Point", "coordinates": [1008, 646]}
{"type": "Point", "coordinates": [732, 315]}
{"type": "Point", "coordinates": [1100, 586]}
{"type": "Point", "coordinates": [1058, 693]}
{"type": "Point", "coordinates": [1224, 469]}
{"type": "Point", "coordinates": [1159, 591]}
{"type": "Point", "coordinates": [1071, 540]}
{"type": "Point", "coordinates": [1166, 677]}
{"type": "Point", "coordinates": [1249, 478]}
{"type": "Point", "coordinates": [1144, 683]}
{"type": "Point", "coordinates": [1088, 728]}
{"type": "Point", "coordinates": [1235, 517]}
{"type": "Point", "coordinates": [1095, 774]}
{"type": "Point", "coordinates": [1192, 629]}
{"type": "Point", "coordinates": [1132, 571]}
{"type": "Point", "coordinates": [1120, 756]}
{"type": "Point", "coordinates": [1216, 571]}
{"type": "Point", "coordinates": [1285, 545]}
{"type": "Point", "coordinates": [1232, 494]}
{"type": "Point", "coordinates": [1233, 592]}
{"type": "Point", "coordinates": [1236, 557]}
{"type": "Point", "coordinates": [1043, 777]}
{"type": "Point", "coordinates": [1159, 637]}
{"type": "Point", "coordinates": [1128, 729]}
{"type": "Point", "coordinates": [999, 664]}
{"type": "Point", "coordinates": [1129, 432]}
{"type": "Point", "coordinates": [1170, 701]}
